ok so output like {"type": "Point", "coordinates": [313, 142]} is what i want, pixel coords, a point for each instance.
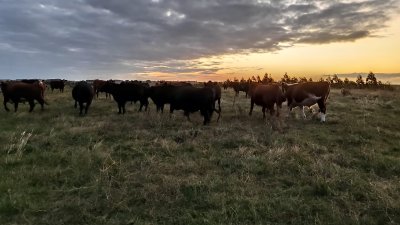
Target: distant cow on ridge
{"type": "Point", "coordinates": [57, 84]}
{"type": "Point", "coordinates": [308, 94]}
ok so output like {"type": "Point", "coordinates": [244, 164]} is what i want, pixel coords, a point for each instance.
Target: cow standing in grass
{"type": "Point", "coordinates": [191, 99]}
{"type": "Point", "coordinates": [267, 96]}
{"type": "Point", "coordinates": [83, 93]}
{"type": "Point", "coordinates": [308, 94]}
{"type": "Point", "coordinates": [18, 91]}
{"type": "Point", "coordinates": [57, 84]}
{"type": "Point", "coordinates": [217, 94]}
{"type": "Point", "coordinates": [127, 91]}
{"type": "Point", "coordinates": [97, 87]}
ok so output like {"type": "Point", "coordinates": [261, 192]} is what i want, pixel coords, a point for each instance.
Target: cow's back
{"type": "Point", "coordinates": [82, 91]}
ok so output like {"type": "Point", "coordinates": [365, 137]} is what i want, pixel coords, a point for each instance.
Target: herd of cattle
{"type": "Point", "coordinates": [179, 95]}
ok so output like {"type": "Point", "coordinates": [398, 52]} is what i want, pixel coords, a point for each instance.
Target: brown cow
{"type": "Point", "coordinates": [308, 94]}
{"type": "Point", "coordinates": [267, 96]}
{"type": "Point", "coordinates": [97, 87]}
{"type": "Point", "coordinates": [17, 91]}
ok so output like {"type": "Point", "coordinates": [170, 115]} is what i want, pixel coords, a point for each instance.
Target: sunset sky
{"type": "Point", "coordinates": [198, 40]}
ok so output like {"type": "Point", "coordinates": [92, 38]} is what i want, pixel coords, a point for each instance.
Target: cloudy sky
{"type": "Point", "coordinates": [197, 40]}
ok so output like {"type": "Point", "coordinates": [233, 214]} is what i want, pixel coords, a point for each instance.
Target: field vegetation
{"type": "Point", "coordinates": [57, 167]}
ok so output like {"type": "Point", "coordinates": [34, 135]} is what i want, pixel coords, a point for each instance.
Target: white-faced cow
{"type": "Point", "coordinates": [307, 94]}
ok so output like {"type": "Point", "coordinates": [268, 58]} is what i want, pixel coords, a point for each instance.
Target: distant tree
{"type": "Point", "coordinates": [360, 81]}
{"type": "Point", "coordinates": [294, 80]}
{"type": "Point", "coordinates": [371, 80]}
{"type": "Point", "coordinates": [267, 79]}
{"type": "Point", "coordinates": [346, 81]}
{"type": "Point", "coordinates": [310, 79]}
{"type": "Point", "coordinates": [285, 78]}
{"type": "Point", "coordinates": [253, 79]}
{"type": "Point", "coordinates": [329, 79]}
{"type": "Point", "coordinates": [303, 79]}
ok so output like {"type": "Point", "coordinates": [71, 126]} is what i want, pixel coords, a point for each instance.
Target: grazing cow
{"type": "Point", "coordinates": [267, 96]}
{"type": "Point", "coordinates": [308, 94]}
{"type": "Point", "coordinates": [225, 85]}
{"type": "Point", "coordinates": [57, 84]}
{"type": "Point", "coordinates": [191, 99]}
{"type": "Point", "coordinates": [82, 93]}
{"type": "Point", "coordinates": [17, 91]}
{"type": "Point", "coordinates": [127, 91]}
{"type": "Point", "coordinates": [345, 91]}
{"type": "Point", "coordinates": [240, 86]}
{"type": "Point", "coordinates": [97, 87]}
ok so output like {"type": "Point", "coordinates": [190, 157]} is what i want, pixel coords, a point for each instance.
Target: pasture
{"type": "Point", "coordinates": [57, 167]}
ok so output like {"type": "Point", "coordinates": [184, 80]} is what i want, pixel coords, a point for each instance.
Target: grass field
{"type": "Point", "coordinates": [146, 168]}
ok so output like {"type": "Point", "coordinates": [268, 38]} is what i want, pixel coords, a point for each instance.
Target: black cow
{"type": "Point", "coordinates": [18, 91]}
{"type": "Point", "coordinates": [161, 95]}
{"type": "Point", "coordinates": [57, 84]}
{"type": "Point", "coordinates": [192, 99]}
{"type": "Point", "coordinates": [217, 94]}
{"type": "Point", "coordinates": [82, 93]}
{"type": "Point", "coordinates": [127, 91]}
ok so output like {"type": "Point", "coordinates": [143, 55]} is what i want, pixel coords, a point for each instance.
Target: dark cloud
{"type": "Point", "coordinates": [109, 37]}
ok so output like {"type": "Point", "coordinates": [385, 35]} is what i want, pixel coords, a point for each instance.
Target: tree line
{"type": "Point", "coordinates": [371, 82]}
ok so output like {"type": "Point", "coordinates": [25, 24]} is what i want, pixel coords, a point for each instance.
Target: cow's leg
{"type": "Point", "coordinates": [41, 102]}
{"type": "Point", "coordinates": [278, 108]}
{"type": "Point", "coordinates": [80, 107]}
{"type": "Point", "coordinates": [322, 109]}
{"type": "Point", "coordinates": [263, 110]}
{"type": "Point", "coordinates": [304, 113]}
{"type": "Point", "coordinates": [206, 115]}
{"type": "Point", "coordinates": [5, 104]}
{"type": "Point", "coordinates": [87, 106]}
{"type": "Point", "coordinates": [251, 106]}
{"type": "Point", "coordinates": [123, 108]}
{"type": "Point", "coordinates": [31, 105]}
{"type": "Point", "coordinates": [219, 105]}
{"type": "Point", "coordinates": [16, 106]}
{"type": "Point", "coordinates": [119, 107]}
{"type": "Point", "coordinates": [76, 105]}
{"type": "Point", "coordinates": [186, 113]}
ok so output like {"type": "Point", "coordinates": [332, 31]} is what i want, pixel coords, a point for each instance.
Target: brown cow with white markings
{"type": "Point", "coordinates": [308, 94]}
